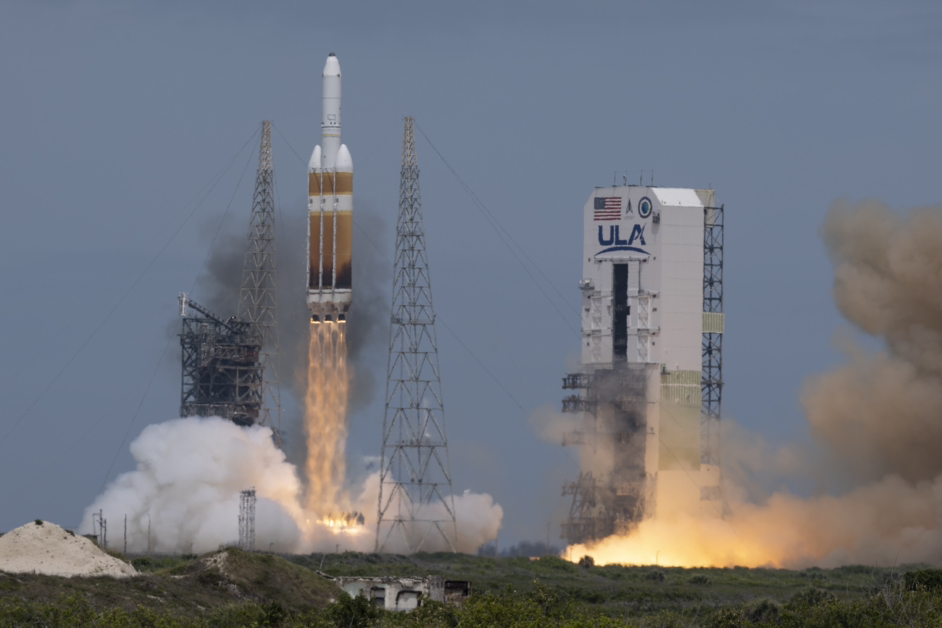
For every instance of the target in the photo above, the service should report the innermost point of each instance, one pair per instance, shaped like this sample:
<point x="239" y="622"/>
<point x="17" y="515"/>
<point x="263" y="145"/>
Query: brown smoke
<point x="882" y="412"/>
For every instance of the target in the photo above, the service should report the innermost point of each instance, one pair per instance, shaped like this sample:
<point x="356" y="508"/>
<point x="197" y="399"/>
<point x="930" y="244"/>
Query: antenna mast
<point x="415" y="493"/>
<point x="258" y="297"/>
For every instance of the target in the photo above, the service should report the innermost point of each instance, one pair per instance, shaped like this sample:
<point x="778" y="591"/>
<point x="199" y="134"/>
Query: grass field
<point x="617" y="590"/>
<point x="244" y="589"/>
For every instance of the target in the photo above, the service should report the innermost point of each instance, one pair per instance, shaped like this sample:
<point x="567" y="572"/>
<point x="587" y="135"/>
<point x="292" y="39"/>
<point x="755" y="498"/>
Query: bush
<point x="725" y="618"/>
<point x="587" y="561"/>
<point x="763" y="611"/>
<point x="700" y="580"/>
<point x="924" y="579"/>
<point x="353" y="612"/>
<point x="811" y="596"/>
<point x="656" y="575"/>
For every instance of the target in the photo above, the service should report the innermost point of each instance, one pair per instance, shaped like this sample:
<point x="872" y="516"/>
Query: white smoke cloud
<point x="187" y="482"/>
<point x="552" y="425"/>
<point x="478" y="518"/>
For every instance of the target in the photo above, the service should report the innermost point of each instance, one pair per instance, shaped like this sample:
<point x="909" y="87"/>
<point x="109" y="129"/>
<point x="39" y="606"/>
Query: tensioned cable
<point x="76" y="443"/>
<point x="209" y="253"/>
<point x="363" y="163"/>
<point x="438" y="315"/>
<point x="501" y="232"/>
<point x="204" y="192"/>
<point x="116" y="305"/>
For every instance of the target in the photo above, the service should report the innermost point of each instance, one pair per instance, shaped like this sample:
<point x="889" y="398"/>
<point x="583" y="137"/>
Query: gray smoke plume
<point x="220" y="283"/>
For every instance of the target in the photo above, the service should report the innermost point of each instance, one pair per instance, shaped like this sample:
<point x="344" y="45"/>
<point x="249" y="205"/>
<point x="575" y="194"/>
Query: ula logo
<point x="637" y="233"/>
<point x="614" y="242"/>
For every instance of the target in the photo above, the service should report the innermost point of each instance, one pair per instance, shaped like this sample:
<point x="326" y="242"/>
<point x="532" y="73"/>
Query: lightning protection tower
<point x="247" y="520"/>
<point x="416" y="506"/>
<point x="258" y="298"/>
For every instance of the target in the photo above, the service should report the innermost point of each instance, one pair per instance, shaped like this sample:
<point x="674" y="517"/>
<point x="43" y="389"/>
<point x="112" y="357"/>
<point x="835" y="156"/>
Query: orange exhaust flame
<point x="325" y="416"/>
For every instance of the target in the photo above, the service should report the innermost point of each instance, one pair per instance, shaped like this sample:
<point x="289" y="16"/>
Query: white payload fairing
<point x="330" y="207"/>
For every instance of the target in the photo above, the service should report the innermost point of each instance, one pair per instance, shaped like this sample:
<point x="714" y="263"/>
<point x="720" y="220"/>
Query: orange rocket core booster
<point x="330" y="207"/>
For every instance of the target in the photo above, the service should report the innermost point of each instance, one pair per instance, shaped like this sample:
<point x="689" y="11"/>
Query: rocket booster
<point x="330" y="209"/>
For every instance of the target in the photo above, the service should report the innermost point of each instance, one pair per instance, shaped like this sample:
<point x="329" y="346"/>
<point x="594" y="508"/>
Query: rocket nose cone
<point x="332" y="67"/>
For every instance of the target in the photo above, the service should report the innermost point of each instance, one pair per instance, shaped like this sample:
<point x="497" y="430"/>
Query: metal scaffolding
<point x="258" y="297"/>
<point x="712" y="373"/>
<point x="415" y="497"/>
<point x="221" y="371"/>
<point x="613" y="405"/>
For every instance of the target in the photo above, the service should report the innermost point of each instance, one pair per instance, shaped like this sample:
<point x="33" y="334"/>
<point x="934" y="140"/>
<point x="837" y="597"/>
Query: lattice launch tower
<point x="416" y="506"/>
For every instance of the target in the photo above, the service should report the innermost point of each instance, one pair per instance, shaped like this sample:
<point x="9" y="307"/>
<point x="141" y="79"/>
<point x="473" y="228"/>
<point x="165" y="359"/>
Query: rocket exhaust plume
<point x="325" y="417"/>
<point x="877" y="420"/>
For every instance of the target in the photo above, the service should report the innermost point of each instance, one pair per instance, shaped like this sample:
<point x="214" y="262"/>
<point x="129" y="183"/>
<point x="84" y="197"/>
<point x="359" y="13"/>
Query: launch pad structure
<point x="649" y="393"/>
<point x="229" y="365"/>
<point x="222" y="375"/>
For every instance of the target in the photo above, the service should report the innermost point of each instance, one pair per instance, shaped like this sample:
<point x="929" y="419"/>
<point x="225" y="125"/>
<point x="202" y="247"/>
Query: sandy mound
<point x="48" y="549"/>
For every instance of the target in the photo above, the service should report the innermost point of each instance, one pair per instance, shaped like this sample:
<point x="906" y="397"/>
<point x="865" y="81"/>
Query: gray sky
<point x="118" y="113"/>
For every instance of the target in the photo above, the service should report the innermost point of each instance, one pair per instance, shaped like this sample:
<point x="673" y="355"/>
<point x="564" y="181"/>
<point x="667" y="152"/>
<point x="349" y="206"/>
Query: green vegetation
<point x="265" y="590"/>
<point x="615" y="590"/>
<point x="179" y="587"/>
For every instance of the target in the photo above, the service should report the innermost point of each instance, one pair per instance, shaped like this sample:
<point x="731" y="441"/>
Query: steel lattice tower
<point x="258" y="297"/>
<point x="415" y="493"/>
<point x="712" y="373"/>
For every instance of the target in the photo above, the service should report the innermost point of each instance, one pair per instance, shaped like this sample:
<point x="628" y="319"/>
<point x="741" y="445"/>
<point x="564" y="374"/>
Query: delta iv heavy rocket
<point x="330" y="207"/>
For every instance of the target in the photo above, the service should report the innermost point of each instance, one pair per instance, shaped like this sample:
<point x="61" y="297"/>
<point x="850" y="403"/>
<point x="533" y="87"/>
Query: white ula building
<point x="650" y="386"/>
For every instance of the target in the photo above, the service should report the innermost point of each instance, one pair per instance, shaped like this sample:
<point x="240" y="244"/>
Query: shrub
<point x="725" y="618"/>
<point x="763" y="611"/>
<point x="353" y="612"/>
<point x="811" y="596"/>
<point x="700" y="580"/>
<point x="924" y="579"/>
<point x="656" y="575"/>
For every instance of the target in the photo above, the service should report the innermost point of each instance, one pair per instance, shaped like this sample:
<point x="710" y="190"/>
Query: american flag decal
<point x="607" y="208"/>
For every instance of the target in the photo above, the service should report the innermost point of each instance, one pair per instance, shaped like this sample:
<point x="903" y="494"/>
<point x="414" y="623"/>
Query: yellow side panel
<point x="319" y="221"/>
<point x="679" y="437"/>
<point x="315" y="245"/>
<point x="328" y="249"/>
<point x="344" y="250"/>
